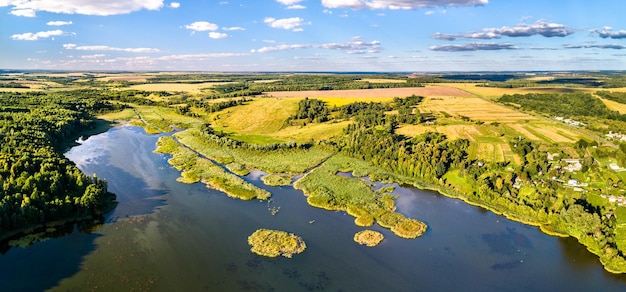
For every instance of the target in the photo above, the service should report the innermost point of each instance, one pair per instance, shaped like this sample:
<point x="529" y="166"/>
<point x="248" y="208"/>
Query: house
<point x="572" y="165"/>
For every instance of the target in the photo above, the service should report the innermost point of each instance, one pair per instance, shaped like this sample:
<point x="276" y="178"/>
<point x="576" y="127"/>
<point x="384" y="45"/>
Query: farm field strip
<point x="379" y="92"/>
<point x="474" y="108"/>
<point x="613" y="105"/>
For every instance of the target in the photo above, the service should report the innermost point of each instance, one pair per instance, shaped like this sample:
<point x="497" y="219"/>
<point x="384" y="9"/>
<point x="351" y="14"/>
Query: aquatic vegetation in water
<point x="368" y="237"/>
<point x="273" y="243"/>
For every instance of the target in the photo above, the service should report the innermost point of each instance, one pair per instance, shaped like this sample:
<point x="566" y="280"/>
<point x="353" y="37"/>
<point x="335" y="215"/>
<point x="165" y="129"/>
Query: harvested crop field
<point x="496" y="92"/>
<point x="548" y="133"/>
<point x="384" y="92"/>
<point x="469" y="132"/>
<point x="474" y="108"/>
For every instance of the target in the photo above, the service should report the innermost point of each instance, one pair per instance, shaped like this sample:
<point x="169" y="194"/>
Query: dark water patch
<point x="507" y="242"/>
<point x="42" y="265"/>
<point x="508" y="265"/>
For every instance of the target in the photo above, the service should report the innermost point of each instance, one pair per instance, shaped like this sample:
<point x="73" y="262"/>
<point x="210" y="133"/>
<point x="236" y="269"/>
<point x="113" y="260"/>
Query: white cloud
<point x="96" y="56"/>
<point x="596" y="46"/>
<point x="608" y="32"/>
<point x="107" y="48"/>
<point x="474" y="47"/>
<point x="86" y="7"/>
<point x="202" y="26"/>
<point x="288" y="2"/>
<point x="59" y="23"/>
<point x="199" y="57"/>
<point x="540" y="27"/>
<point x="354" y="46"/>
<point x="29" y="36"/>
<point x="24" y="12"/>
<point x="217" y="35"/>
<point x="296" y="7"/>
<point x="292" y="23"/>
<point x="233" y="28"/>
<point x="399" y="4"/>
<point x="174" y="5"/>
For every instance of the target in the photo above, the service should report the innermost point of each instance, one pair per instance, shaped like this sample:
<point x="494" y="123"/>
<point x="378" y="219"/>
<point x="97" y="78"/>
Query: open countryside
<point x="295" y="145"/>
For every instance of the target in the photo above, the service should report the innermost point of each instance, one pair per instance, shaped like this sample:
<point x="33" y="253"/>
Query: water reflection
<point x="123" y="156"/>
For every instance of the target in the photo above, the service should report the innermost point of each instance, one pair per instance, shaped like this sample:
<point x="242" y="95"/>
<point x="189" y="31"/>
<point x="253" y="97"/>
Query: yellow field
<point x="546" y="132"/>
<point x="379" y="92"/>
<point x="268" y="116"/>
<point x="125" y="77"/>
<point x="613" y="105"/>
<point x="341" y="101"/>
<point x="475" y="108"/>
<point x="469" y="132"/>
<point x="494" y="92"/>
<point x="260" y="116"/>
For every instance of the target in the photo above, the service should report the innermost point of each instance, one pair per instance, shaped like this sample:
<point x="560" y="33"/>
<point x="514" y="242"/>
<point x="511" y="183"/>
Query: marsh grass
<point x="196" y="169"/>
<point x="277" y="179"/>
<point x="274" y="243"/>
<point x="289" y="161"/>
<point x="327" y="190"/>
<point x="369" y="238"/>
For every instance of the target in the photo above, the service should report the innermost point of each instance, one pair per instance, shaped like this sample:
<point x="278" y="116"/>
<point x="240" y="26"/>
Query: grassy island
<point x="369" y="238"/>
<point x="274" y="243"/>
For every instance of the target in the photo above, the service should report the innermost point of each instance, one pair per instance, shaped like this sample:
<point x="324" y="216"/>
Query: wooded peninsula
<point x="546" y="149"/>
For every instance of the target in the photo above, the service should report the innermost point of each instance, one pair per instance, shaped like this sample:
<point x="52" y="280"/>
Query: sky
<point x="313" y="35"/>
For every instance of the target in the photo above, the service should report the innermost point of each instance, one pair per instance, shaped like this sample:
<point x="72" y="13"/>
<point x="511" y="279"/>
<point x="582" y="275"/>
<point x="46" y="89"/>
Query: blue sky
<point x="313" y="35"/>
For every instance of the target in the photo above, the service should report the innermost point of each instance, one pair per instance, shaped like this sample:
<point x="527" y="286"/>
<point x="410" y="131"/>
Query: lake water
<point x="168" y="236"/>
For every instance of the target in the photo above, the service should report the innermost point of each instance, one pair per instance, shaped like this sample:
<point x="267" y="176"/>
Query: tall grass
<point x="196" y="169"/>
<point x="327" y="190"/>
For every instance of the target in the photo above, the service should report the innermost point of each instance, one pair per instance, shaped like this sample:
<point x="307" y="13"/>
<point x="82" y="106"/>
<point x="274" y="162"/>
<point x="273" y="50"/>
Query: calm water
<point x="168" y="236"/>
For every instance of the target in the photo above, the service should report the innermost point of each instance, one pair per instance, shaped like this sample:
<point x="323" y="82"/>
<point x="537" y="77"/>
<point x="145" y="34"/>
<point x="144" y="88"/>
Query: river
<point x="169" y="236"/>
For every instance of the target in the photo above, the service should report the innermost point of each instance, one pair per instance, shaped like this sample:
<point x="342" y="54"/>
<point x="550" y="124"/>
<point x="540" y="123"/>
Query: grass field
<point x="264" y="120"/>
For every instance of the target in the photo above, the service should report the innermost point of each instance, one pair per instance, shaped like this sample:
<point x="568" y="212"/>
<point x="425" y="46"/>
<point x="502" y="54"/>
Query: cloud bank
<point x="107" y="48"/>
<point x="399" y="4"/>
<point x="29" y="36"/>
<point x="86" y="7"/>
<point x="355" y="46"/>
<point x="540" y="27"/>
<point x="474" y="47"/>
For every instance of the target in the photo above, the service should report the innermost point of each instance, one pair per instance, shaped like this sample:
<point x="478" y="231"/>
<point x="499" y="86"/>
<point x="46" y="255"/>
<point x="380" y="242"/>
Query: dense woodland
<point x="38" y="184"/>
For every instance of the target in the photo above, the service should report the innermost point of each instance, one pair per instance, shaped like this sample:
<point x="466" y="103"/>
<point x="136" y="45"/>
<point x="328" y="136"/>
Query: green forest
<point x="38" y="184"/>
